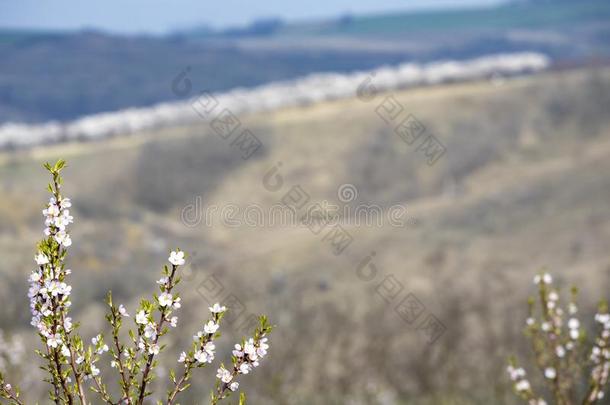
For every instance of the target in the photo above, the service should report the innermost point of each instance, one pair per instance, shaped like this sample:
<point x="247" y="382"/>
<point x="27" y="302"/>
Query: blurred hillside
<point x="524" y="183"/>
<point x="63" y="75"/>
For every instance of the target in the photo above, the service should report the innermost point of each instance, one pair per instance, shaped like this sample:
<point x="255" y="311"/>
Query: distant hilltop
<point x="302" y="91"/>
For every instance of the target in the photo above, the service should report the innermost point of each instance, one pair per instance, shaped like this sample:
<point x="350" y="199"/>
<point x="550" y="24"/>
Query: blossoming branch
<point x="72" y="366"/>
<point x="575" y="370"/>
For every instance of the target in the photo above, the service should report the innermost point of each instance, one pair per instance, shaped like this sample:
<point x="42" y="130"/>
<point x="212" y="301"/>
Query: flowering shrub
<point x="72" y="365"/>
<point x="575" y="369"/>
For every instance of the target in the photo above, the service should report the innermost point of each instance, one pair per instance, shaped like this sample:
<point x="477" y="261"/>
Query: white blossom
<point x="68" y="324"/>
<point x="206" y="355"/>
<point x="245" y="368"/>
<point x="41" y="259"/>
<point x="153" y="349"/>
<point x="250" y="350"/>
<point x="94" y="370"/>
<point x="51" y="211"/>
<point x="224" y="375"/>
<point x="572" y="308"/>
<point x="216" y="308"/>
<point x="602" y="318"/>
<point x="54" y="340"/>
<point x="141" y="344"/>
<point x="142" y="317"/>
<point x="515" y="373"/>
<point x="63" y="238"/>
<point x="203" y="357"/>
<point x="209" y="347"/>
<point x="166" y="299"/>
<point x="65" y="351"/>
<point x="150" y="330"/>
<point x="176" y="258"/>
<point x="210" y="327"/>
<point x="238" y="352"/>
<point x="261" y="350"/>
<point x="522" y="385"/>
<point x="61" y="222"/>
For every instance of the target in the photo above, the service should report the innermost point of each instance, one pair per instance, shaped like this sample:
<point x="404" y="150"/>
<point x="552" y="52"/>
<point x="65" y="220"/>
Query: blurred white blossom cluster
<point x="11" y="351"/>
<point x="73" y="368"/>
<point x="574" y="368"/>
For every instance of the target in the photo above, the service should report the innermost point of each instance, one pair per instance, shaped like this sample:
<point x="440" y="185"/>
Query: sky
<point x="162" y="16"/>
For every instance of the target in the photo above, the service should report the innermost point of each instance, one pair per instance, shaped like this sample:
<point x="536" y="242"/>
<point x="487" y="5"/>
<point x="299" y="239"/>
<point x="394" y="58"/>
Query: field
<point x="524" y="184"/>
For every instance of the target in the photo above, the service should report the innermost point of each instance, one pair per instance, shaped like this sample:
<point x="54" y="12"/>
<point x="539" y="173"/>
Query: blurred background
<point x="383" y="179"/>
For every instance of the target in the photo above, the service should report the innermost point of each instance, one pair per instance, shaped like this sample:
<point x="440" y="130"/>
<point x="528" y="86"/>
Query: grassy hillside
<point x="524" y="15"/>
<point x="524" y="183"/>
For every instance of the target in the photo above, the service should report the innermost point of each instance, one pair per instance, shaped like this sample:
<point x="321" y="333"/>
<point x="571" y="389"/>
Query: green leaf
<point x="60" y="164"/>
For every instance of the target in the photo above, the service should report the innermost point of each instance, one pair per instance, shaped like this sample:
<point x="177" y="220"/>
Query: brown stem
<point x="185" y="376"/>
<point x="222" y="388"/>
<point x="149" y="361"/>
<point x="189" y="365"/>
<point x="102" y="391"/>
<point x="62" y="380"/>
<point x="557" y="392"/>
<point x="55" y="354"/>
<point x="596" y="383"/>
<point x="126" y="382"/>
<point x="77" y="376"/>
<point x="13" y="397"/>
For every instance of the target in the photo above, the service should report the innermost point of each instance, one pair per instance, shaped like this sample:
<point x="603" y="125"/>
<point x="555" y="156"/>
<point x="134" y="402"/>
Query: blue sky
<point x="159" y="16"/>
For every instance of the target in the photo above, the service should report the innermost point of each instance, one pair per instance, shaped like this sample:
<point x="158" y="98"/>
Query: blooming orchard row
<point x="72" y="366"/>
